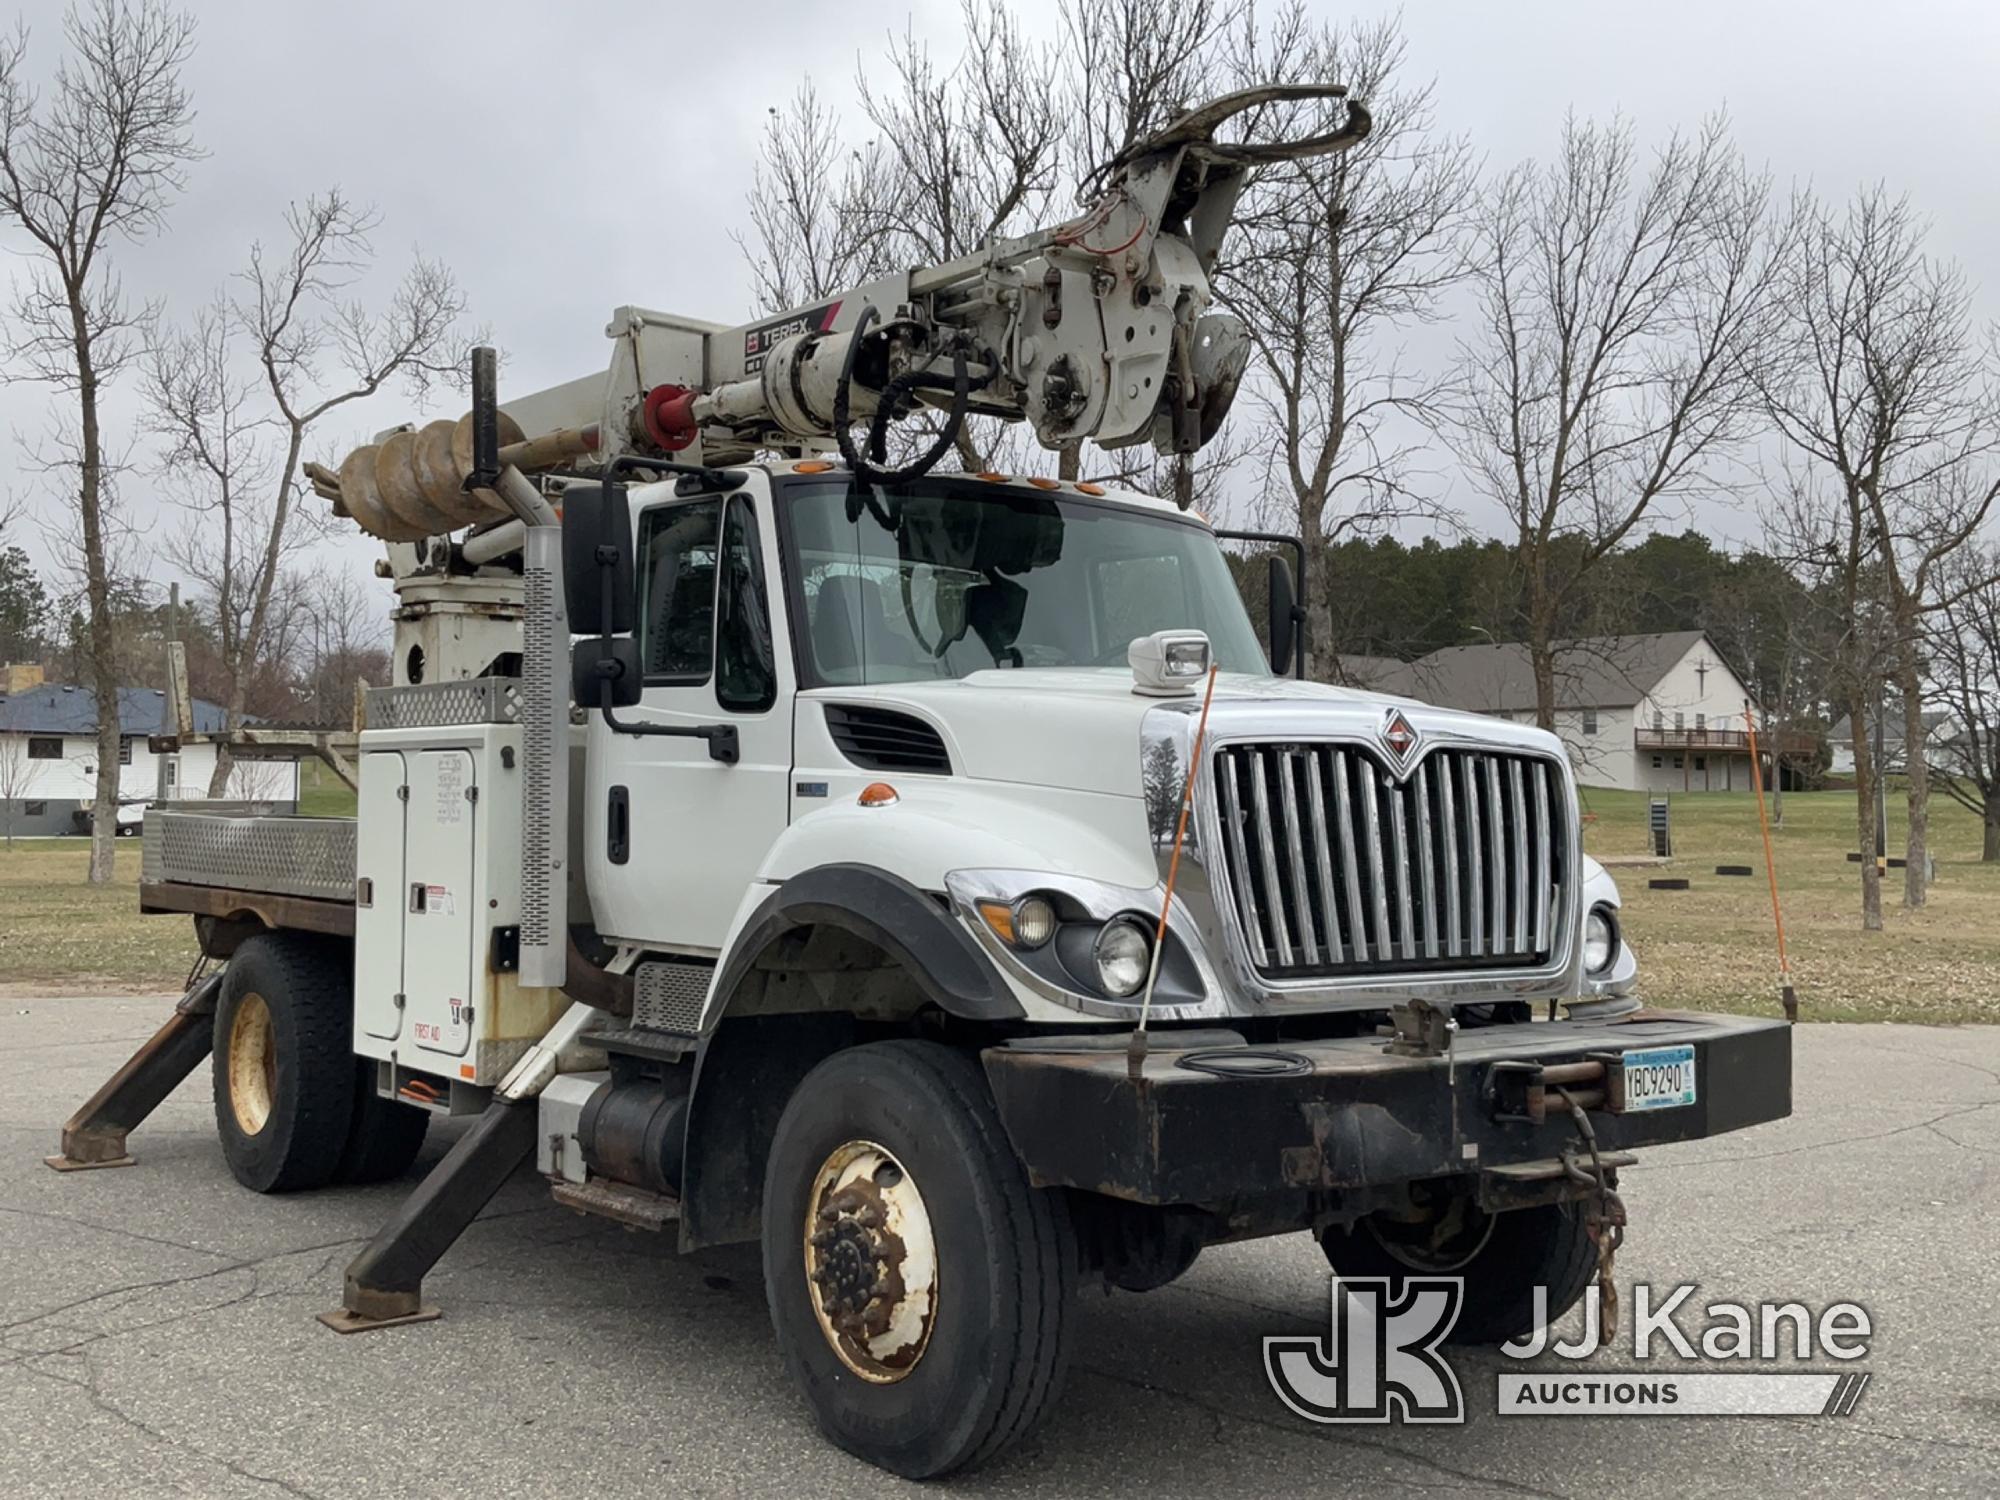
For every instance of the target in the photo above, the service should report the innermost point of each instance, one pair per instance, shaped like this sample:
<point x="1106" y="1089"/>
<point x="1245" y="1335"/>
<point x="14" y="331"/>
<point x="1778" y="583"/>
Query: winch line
<point x="1787" y="993"/>
<point x="1135" y="1050"/>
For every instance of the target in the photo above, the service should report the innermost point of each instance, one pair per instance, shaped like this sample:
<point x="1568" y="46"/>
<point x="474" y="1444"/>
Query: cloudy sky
<point x="566" y="159"/>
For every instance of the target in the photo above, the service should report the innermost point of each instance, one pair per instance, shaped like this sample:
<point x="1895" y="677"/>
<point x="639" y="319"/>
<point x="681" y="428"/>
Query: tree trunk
<point x="1316" y="594"/>
<point x="1909" y="682"/>
<point x="97" y="590"/>
<point x="252" y="640"/>
<point x="1989" y="851"/>
<point x="1543" y="657"/>
<point x="1864" y="810"/>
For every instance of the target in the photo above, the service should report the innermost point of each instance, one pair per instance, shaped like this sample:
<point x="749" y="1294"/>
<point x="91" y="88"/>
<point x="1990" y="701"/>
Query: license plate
<point x="1659" y="1078"/>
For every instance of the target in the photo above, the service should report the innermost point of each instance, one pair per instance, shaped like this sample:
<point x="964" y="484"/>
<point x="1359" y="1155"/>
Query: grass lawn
<point x="58" y="932"/>
<point x="1711" y="946"/>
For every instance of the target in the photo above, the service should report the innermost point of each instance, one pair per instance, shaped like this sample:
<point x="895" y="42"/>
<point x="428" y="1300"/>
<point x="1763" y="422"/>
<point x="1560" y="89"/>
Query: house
<point x="1941" y="735"/>
<point x="1660" y="712"/>
<point x="48" y="756"/>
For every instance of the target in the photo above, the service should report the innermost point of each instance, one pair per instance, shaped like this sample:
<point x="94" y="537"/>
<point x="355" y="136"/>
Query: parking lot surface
<point x="157" y="1334"/>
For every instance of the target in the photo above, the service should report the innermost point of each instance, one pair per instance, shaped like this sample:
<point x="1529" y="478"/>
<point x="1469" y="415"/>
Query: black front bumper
<point x="1362" y="1117"/>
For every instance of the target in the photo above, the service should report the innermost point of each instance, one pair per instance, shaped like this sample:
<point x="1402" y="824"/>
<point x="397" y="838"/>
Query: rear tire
<point x="283" y="1064"/>
<point x="384" y="1136"/>
<point x="1503" y="1258"/>
<point x="975" y="1345"/>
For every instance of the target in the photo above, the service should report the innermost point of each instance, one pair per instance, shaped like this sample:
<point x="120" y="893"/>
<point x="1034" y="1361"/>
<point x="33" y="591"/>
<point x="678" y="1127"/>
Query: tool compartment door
<point x="438" y="916"/>
<point x="379" y="899"/>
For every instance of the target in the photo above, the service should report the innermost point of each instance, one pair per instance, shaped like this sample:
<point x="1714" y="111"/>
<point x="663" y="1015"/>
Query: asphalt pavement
<point x="157" y="1334"/>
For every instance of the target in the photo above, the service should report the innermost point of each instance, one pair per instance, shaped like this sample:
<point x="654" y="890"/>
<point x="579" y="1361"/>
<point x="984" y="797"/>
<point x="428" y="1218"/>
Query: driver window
<point x="677" y="566"/>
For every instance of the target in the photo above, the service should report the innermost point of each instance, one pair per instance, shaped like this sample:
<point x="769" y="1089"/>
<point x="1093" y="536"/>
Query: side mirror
<point x="1284" y="615"/>
<point x="597" y="561"/>
<point x="601" y="659"/>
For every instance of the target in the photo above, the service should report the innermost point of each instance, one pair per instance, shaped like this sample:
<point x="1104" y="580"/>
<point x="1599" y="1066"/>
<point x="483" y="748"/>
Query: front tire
<point x="1503" y="1258"/>
<point x="283" y="1064"/>
<point x="922" y="1362"/>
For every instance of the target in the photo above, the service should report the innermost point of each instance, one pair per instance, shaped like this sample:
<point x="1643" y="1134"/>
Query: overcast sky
<point x="566" y="159"/>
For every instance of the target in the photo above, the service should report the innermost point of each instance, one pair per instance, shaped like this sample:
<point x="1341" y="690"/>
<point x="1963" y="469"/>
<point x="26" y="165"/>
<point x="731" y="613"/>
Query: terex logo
<point x="1379" y="1360"/>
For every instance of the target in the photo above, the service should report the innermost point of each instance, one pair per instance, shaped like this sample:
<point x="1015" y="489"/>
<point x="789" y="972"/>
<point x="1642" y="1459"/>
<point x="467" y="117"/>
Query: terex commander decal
<point x="761" y="340"/>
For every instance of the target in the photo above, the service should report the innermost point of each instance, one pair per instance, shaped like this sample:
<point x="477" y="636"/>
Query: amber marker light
<point x="1042" y="482"/>
<point x="998" y="916"/>
<point x="878" y="794"/>
<point x="812" y="466"/>
<point x="1089" y="489"/>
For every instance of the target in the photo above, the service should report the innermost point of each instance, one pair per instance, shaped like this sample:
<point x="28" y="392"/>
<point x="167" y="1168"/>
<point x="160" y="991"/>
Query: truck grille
<point x="1335" y="868"/>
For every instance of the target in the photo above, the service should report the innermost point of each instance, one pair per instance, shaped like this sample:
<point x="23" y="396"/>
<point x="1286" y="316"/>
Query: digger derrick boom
<point x="1099" y="328"/>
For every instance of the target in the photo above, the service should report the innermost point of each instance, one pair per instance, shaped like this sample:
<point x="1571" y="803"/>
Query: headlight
<point x="1122" y="954"/>
<point x="1600" y="941"/>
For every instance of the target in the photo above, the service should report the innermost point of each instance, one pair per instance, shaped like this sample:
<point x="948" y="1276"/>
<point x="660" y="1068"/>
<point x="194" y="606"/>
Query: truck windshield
<point x="939" y="578"/>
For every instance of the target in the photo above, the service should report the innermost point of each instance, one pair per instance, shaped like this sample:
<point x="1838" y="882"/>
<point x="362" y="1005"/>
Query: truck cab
<point x="932" y="681"/>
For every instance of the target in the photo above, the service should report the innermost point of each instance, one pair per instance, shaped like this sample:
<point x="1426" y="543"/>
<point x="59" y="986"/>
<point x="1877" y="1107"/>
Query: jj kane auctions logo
<point x="1382" y="1360"/>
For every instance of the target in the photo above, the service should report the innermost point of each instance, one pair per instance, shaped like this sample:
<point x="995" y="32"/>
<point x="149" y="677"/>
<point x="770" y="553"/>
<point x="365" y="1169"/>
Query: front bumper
<point x="1362" y="1117"/>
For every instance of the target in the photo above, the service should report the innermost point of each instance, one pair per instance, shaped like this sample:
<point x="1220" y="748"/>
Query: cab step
<point x="633" y="1207"/>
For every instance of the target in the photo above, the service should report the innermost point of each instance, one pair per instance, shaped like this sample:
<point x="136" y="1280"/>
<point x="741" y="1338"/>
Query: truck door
<point x="677" y="835"/>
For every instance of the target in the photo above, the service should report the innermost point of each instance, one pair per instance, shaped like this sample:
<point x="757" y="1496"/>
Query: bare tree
<point x="1964" y="652"/>
<point x="807" y="238"/>
<point x="1882" y="389"/>
<point x="1329" y="260"/>
<point x="1828" y="538"/>
<point x="1611" y="367"/>
<point x="236" y="443"/>
<point x="18" y="775"/>
<point x="92" y="163"/>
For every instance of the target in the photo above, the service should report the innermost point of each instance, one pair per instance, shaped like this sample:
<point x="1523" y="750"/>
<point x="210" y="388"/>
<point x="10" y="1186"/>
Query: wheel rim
<point x="1438" y="1245"/>
<point x="871" y="1262"/>
<point x="253" y="1064"/>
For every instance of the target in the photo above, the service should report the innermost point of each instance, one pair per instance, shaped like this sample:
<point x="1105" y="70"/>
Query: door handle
<point x="618" y="826"/>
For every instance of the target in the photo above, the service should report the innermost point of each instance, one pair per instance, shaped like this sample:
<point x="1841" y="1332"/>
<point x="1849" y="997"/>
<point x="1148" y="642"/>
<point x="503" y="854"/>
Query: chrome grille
<point x="1334" y="867"/>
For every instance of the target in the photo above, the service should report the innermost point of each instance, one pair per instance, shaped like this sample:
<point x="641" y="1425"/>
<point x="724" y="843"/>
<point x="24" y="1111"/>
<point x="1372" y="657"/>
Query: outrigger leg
<point x="385" y="1282"/>
<point x="94" y="1136"/>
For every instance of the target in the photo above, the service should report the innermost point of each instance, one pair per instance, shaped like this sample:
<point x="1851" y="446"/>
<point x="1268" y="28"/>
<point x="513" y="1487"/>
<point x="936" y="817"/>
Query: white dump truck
<point x="933" y="876"/>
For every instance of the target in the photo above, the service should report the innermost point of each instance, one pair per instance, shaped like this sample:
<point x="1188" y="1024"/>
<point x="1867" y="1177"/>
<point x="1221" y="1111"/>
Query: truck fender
<point x="885" y="910"/>
<point x="748" y="1065"/>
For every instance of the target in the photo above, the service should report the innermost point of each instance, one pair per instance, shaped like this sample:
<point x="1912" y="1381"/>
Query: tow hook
<point x="1604" y="1218"/>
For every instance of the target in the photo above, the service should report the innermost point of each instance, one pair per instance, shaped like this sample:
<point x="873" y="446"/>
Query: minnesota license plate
<point x="1659" y="1078"/>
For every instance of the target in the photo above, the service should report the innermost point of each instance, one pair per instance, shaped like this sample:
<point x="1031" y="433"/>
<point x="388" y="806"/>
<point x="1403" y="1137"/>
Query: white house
<point x="1644" y="712"/>
<point x="48" y="757"/>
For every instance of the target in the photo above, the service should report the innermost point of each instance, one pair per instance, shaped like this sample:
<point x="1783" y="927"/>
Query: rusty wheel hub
<point x="871" y="1262"/>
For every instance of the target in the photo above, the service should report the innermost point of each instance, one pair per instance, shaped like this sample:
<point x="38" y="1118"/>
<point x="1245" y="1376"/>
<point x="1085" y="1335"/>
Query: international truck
<point x="935" y="877"/>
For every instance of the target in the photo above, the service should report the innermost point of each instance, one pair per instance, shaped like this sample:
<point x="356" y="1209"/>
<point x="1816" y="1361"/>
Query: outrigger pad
<point x="340" y="1320"/>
